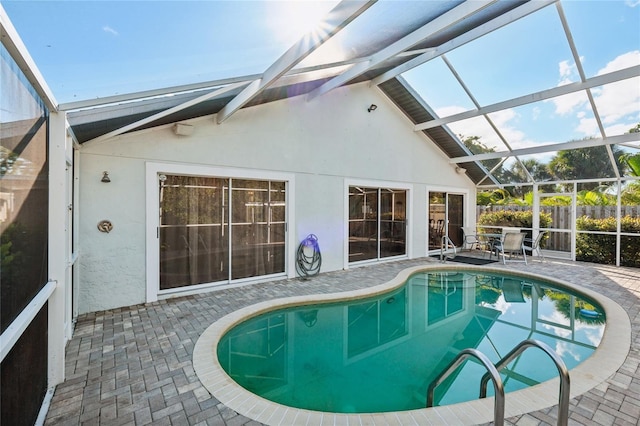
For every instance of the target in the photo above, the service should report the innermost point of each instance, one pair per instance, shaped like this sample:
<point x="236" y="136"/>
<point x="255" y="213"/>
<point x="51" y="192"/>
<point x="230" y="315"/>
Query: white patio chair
<point x="512" y="245"/>
<point x="469" y="238"/>
<point x="496" y="244"/>
<point x="534" y="245"/>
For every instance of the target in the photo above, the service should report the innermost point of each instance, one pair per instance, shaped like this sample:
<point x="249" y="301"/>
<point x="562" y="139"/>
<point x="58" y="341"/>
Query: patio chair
<point x="534" y="245"/>
<point x="469" y="238"/>
<point x="495" y="243"/>
<point x="512" y="291"/>
<point x="512" y="245"/>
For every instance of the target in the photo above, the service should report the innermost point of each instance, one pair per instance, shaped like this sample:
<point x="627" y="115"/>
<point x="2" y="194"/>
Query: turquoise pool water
<point x="380" y="354"/>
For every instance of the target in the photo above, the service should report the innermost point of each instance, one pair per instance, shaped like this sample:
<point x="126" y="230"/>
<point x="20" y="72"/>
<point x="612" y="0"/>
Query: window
<point x="376" y="322"/>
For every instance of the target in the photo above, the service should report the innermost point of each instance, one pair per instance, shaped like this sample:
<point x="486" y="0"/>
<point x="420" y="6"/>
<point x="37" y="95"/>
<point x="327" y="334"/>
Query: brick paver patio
<point x="133" y="365"/>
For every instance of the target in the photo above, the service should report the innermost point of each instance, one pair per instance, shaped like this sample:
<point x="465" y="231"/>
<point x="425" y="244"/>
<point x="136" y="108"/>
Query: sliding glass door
<point x="446" y="218"/>
<point x="216" y="229"/>
<point x="257" y="228"/>
<point x="377" y="223"/>
<point x="455" y="218"/>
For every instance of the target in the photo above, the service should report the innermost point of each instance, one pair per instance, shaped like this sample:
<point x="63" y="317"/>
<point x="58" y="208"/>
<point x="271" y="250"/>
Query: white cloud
<point x="623" y="61"/>
<point x="567" y="104"/>
<point x="588" y="127"/>
<point x="618" y="100"/>
<point x="108" y="29"/>
<point x="568" y="73"/>
<point x="449" y="110"/>
<point x="632" y="3"/>
<point x="618" y="103"/>
<point x="622" y="128"/>
<point x="536" y="113"/>
<point x="505" y="120"/>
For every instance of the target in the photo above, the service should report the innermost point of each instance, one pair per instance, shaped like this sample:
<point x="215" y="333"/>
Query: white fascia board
<point x="20" y="54"/>
<point x="442" y="22"/>
<point x="465" y="38"/>
<point x="167" y="112"/>
<point x="154" y="94"/>
<point x="620" y="139"/>
<point x="599" y="80"/>
<point x="337" y="19"/>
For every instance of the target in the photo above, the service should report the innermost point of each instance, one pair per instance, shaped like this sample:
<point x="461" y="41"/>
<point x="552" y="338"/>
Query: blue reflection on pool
<point x="380" y="354"/>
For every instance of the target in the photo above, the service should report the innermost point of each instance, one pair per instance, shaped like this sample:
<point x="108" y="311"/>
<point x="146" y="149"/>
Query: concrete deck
<point x="133" y="366"/>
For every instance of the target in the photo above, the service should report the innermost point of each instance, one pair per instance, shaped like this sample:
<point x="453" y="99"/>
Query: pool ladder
<point x="493" y="374"/>
<point x="445" y="245"/>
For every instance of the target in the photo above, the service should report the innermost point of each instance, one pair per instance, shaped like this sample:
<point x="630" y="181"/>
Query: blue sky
<point x="531" y="55"/>
<point x="91" y="49"/>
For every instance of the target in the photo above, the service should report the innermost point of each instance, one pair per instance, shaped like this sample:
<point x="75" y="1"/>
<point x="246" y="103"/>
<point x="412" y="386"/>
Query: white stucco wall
<point x="323" y="143"/>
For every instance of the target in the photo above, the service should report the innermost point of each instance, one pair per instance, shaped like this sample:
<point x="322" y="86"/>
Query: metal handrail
<point x="563" y="403"/>
<point x="498" y="405"/>
<point x="444" y="245"/>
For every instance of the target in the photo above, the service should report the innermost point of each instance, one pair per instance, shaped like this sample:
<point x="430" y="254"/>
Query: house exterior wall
<point x="324" y="144"/>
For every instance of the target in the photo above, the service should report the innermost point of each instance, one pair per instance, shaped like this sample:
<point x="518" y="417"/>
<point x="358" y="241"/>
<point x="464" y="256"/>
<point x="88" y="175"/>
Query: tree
<point x="631" y="191"/>
<point x="580" y="163"/>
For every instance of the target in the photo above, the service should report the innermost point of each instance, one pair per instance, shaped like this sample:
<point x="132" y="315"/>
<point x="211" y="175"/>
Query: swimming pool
<point x="477" y="308"/>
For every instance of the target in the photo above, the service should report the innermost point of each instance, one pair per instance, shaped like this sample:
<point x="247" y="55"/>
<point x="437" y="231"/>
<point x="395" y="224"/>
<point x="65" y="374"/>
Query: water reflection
<point x="380" y="354"/>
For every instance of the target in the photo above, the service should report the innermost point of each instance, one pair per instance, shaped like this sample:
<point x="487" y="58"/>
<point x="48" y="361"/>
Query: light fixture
<point x="372" y="107"/>
<point x="182" y="129"/>
<point x="460" y="170"/>
<point x="105" y="177"/>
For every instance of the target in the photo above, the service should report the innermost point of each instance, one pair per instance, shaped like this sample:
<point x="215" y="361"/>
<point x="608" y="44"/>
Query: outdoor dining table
<point x="489" y="239"/>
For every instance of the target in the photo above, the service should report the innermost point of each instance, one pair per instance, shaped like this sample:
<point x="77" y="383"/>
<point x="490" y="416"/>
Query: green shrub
<point x="601" y="248"/>
<point x="511" y="218"/>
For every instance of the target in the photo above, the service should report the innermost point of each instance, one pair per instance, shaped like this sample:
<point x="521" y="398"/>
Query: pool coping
<point x="604" y="362"/>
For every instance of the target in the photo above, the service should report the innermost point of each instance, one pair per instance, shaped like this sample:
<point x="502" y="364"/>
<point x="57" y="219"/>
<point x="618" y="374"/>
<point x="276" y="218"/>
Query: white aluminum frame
<point x="409" y="221"/>
<point x="153" y="169"/>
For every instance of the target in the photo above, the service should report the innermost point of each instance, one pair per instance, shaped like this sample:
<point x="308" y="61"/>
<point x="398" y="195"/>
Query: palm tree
<point x="585" y="162"/>
<point x="631" y="191"/>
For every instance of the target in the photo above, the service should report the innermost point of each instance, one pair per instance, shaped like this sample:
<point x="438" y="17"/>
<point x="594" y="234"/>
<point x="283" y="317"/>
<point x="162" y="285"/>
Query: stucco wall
<point x="322" y="143"/>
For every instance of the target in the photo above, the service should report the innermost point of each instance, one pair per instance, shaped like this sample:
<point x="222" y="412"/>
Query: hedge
<point x="515" y="219"/>
<point x="599" y="248"/>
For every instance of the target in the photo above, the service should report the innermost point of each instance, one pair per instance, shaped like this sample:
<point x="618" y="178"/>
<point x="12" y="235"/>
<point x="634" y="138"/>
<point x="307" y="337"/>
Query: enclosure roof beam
<point x="599" y="80"/>
<point x="442" y="22"/>
<point x="18" y="51"/>
<point x="463" y="39"/>
<point x="161" y="114"/>
<point x="587" y="143"/>
<point x="339" y="17"/>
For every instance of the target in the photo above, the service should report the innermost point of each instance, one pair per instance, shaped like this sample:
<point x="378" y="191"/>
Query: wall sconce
<point x="460" y="170"/>
<point x="105" y="177"/>
<point x="372" y="107"/>
<point x="182" y="129"/>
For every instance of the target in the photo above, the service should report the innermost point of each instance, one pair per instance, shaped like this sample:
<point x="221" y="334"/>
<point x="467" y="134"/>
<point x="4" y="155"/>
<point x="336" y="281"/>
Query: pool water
<point x="380" y="354"/>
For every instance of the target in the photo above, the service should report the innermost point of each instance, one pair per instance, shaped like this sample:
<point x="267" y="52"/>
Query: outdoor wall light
<point x="105" y="177"/>
<point x="372" y="107"/>
<point x="182" y="129"/>
<point x="460" y="170"/>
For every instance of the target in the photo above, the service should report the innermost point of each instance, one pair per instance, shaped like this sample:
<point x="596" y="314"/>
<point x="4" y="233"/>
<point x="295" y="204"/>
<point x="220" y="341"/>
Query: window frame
<point x="378" y="184"/>
<point x="153" y="169"/>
